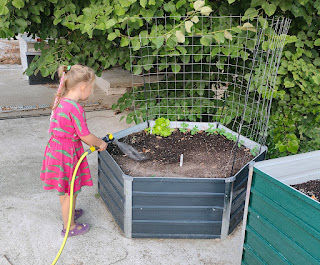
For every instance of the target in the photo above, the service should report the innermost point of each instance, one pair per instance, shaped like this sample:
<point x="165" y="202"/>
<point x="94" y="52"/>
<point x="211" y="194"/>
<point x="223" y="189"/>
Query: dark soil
<point x="310" y="188"/>
<point x="203" y="156"/>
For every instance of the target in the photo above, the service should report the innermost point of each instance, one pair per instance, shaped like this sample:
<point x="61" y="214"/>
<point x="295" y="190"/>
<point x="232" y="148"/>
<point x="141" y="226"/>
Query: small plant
<point x="240" y="143"/>
<point x="211" y="130"/>
<point x="194" y="130"/>
<point x="184" y="127"/>
<point x="161" y="127"/>
<point x="147" y="130"/>
<point x="255" y="150"/>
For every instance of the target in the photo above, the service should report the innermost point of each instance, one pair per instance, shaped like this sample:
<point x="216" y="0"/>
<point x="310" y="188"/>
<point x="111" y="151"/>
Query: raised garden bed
<point x="282" y="225"/>
<point x="173" y="207"/>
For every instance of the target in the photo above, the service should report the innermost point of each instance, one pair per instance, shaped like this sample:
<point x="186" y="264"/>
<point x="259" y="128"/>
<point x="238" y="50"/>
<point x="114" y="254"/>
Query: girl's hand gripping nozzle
<point x="108" y="139"/>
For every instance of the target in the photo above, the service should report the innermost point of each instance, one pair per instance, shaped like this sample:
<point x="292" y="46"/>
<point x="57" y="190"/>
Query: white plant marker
<point x="181" y="160"/>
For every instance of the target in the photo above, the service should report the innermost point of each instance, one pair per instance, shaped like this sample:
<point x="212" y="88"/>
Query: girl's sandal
<point x="78" y="213"/>
<point x="77" y="230"/>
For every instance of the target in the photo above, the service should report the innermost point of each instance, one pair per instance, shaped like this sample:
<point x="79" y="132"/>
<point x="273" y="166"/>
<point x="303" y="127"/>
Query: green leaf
<point x="119" y="10"/>
<point x="250" y="13"/>
<point x="135" y="44"/>
<point x="231" y="1"/>
<point x="22" y="23"/>
<point x="169" y="7"/>
<point x="176" y="68"/>
<point x="285" y="5"/>
<point x="143" y="3"/>
<point x="219" y="37"/>
<point x="293" y="146"/>
<point x="137" y="69"/>
<point x="158" y="41"/>
<point x="36" y="19"/>
<point x="3" y="10"/>
<point x="124" y="42"/>
<point x="269" y="8"/>
<point x="112" y="36"/>
<point x="180" y="3"/>
<point x="317" y="42"/>
<point x="18" y="3"/>
<point x="110" y="23"/>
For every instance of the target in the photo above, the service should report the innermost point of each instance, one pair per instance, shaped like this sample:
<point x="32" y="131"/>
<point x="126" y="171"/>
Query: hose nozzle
<point x="108" y="138"/>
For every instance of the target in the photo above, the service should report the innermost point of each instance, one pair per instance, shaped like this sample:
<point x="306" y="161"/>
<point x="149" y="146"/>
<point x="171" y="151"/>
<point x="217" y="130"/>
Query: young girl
<point x="68" y="128"/>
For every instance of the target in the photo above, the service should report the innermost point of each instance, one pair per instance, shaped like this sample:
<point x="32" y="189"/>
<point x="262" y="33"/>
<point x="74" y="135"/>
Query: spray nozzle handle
<point x="108" y="138"/>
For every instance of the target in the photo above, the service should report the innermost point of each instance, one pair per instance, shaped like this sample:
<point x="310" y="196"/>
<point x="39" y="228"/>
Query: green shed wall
<point x="283" y="225"/>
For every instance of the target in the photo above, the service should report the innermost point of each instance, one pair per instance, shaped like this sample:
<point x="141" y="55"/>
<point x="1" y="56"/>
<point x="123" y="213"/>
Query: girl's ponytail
<point x="62" y="70"/>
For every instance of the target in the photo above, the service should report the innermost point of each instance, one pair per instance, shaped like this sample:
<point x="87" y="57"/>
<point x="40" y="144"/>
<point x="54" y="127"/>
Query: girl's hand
<point x="102" y="146"/>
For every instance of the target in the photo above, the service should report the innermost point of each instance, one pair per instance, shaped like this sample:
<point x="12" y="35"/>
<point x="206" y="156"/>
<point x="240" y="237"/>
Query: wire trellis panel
<point x="219" y="69"/>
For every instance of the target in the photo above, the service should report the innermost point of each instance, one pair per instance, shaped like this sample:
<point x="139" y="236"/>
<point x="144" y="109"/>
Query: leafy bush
<point x="95" y="33"/>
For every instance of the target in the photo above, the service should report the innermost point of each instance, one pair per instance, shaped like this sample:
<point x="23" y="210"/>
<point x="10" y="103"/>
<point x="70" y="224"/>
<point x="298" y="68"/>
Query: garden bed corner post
<point x="128" y="206"/>
<point x="227" y="208"/>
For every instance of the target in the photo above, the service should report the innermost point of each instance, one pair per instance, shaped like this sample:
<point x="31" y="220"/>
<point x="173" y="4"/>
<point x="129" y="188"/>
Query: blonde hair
<point x="75" y="75"/>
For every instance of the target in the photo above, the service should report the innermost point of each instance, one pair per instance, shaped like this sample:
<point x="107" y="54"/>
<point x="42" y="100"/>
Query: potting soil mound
<point x="310" y="188"/>
<point x="204" y="156"/>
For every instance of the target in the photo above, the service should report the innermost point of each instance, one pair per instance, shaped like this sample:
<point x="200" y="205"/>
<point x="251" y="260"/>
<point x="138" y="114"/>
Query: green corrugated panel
<point x="303" y="235"/>
<point x="300" y="205"/>
<point x="262" y="250"/>
<point x="250" y="257"/>
<point x="283" y="225"/>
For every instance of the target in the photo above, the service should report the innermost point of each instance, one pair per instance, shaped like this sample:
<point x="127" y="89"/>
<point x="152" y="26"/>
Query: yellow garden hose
<point x="87" y="152"/>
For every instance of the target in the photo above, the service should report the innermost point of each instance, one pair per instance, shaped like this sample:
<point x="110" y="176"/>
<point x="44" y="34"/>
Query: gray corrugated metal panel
<point x="188" y="213"/>
<point x="236" y="217"/>
<point x="238" y="201"/>
<point x="182" y="228"/>
<point x="112" y="191"/>
<point x="179" y="185"/>
<point x="115" y="210"/>
<point x="133" y="129"/>
<point x="293" y="169"/>
<point x="112" y="178"/>
<point x="112" y="165"/>
<point x="178" y="199"/>
<point x="242" y="175"/>
<point x="176" y="236"/>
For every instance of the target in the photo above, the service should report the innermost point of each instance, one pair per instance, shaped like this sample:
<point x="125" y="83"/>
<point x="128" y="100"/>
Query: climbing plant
<point x="95" y="33"/>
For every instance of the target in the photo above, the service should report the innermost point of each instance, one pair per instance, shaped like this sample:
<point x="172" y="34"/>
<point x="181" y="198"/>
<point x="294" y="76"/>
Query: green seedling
<point x="255" y="150"/>
<point x="184" y="127"/>
<point x="194" y="130"/>
<point x="147" y="130"/>
<point x="211" y="130"/>
<point x="240" y="143"/>
<point x="161" y="127"/>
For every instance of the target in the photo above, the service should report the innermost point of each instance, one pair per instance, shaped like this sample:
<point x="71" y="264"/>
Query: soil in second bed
<point x="204" y="156"/>
<point x="310" y="188"/>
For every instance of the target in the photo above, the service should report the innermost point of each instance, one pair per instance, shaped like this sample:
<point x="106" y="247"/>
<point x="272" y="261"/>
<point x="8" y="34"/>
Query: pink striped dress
<point x="64" y="149"/>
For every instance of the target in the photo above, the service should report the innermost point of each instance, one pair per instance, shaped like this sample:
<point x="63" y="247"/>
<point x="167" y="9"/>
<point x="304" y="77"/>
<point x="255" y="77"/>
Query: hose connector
<point x="108" y="138"/>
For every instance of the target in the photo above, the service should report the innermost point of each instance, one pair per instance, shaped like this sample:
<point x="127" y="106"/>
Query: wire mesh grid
<point x="207" y="69"/>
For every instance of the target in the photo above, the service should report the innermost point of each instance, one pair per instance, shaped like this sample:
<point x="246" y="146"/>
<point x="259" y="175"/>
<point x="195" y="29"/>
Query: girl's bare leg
<point x="65" y="203"/>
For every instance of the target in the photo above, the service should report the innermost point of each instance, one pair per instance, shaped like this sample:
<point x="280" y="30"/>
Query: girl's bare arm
<point x="93" y="140"/>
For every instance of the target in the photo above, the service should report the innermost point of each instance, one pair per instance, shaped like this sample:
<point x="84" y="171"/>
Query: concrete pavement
<point x="30" y="220"/>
